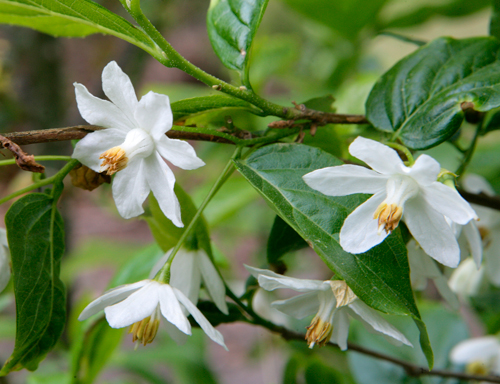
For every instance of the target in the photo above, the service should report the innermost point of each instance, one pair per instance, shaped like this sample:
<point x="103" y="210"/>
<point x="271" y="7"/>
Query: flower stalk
<point x="163" y="274"/>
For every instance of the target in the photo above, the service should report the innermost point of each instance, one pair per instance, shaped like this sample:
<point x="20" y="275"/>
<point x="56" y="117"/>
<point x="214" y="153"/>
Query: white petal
<point x="478" y="349"/>
<point x="373" y="320"/>
<point x="255" y="272"/>
<point x="301" y="285"/>
<point x="212" y="281"/>
<point x="154" y="114"/>
<point x="359" y="232"/>
<point x="130" y="189"/>
<point x="425" y="170"/>
<point x="476" y="184"/>
<point x="180" y="153"/>
<point x="91" y="147"/>
<point x="100" y="112"/>
<point x="380" y="157"/>
<point x="430" y="230"/>
<point x="448" y="202"/>
<point x="172" y="310"/>
<point x="110" y="297"/>
<point x="466" y="280"/>
<point x="492" y="259"/>
<point x="185" y="274"/>
<point x="179" y="337"/>
<point x="340" y="332"/>
<point x="119" y="89"/>
<point x="4" y="260"/>
<point x="161" y="180"/>
<point x="345" y="180"/>
<point x="446" y="293"/>
<point x="134" y="308"/>
<point x="299" y="306"/>
<point x="471" y="233"/>
<point x="211" y="332"/>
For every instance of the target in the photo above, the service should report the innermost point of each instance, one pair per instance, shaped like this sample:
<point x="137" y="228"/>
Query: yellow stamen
<point x="476" y="368"/>
<point x="114" y="160"/>
<point x="319" y="332"/>
<point x="388" y="217"/>
<point x="145" y="330"/>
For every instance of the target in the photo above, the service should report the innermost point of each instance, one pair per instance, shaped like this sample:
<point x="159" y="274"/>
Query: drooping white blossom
<point x="422" y="268"/>
<point x="399" y="192"/>
<point x="189" y="269"/>
<point x="141" y="305"/>
<point x="4" y="260"/>
<point x="133" y="145"/>
<point x="333" y="304"/>
<point x="481" y="355"/>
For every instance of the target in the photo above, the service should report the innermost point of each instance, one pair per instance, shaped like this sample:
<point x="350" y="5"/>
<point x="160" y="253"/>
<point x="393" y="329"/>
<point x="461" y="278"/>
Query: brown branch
<point x="411" y="369"/>
<point x="80" y="131"/>
<point x="319" y="118"/>
<point x="483" y="199"/>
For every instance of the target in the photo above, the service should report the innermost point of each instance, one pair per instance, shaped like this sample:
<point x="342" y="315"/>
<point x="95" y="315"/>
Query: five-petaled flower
<point x="188" y="270"/>
<point x="139" y="305"/>
<point x="133" y="144"/>
<point x="481" y="355"/>
<point x="333" y="302"/>
<point x="399" y="192"/>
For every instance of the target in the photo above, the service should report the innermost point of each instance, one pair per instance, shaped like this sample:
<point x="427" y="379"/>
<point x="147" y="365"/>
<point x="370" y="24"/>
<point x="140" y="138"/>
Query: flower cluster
<point x="133" y="147"/>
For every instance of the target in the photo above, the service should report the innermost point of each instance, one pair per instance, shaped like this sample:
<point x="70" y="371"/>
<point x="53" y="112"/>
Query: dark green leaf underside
<point x="420" y="97"/>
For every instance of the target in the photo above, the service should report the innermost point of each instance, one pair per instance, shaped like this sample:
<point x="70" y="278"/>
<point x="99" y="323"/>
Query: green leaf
<point x="495" y="19"/>
<point x="187" y="107"/>
<point x="379" y="277"/>
<point x="232" y="25"/>
<point x="35" y="232"/>
<point x="420" y="97"/>
<point x="347" y="17"/>
<point x="317" y="372"/>
<point x="167" y="234"/>
<point x="72" y="18"/>
<point x="282" y="239"/>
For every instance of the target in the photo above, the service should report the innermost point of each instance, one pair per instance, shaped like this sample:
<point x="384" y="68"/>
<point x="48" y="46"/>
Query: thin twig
<point x="411" y="369"/>
<point x="80" y="131"/>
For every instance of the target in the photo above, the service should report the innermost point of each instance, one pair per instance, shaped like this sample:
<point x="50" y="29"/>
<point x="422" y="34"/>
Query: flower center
<point x="399" y="189"/>
<point x="144" y="331"/>
<point x="476" y="368"/>
<point x="321" y="328"/>
<point x="138" y="143"/>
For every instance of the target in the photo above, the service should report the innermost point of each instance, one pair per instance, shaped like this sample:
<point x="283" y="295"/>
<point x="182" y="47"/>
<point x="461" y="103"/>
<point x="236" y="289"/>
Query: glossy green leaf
<point x="71" y="18"/>
<point x="419" y="99"/>
<point x="380" y="277"/>
<point x="232" y="25"/>
<point x="187" y="107"/>
<point x="167" y="234"/>
<point x="35" y="233"/>
<point x="282" y="239"/>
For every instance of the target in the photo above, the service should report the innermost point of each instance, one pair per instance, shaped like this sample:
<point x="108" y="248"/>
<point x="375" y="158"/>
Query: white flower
<point x="411" y="193"/>
<point x="133" y="144"/>
<point x="481" y="355"/>
<point x="4" y="260"/>
<point x="334" y="304"/>
<point x="422" y="267"/>
<point x="140" y="304"/>
<point x="485" y="233"/>
<point x="188" y="270"/>
<point x="467" y="279"/>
